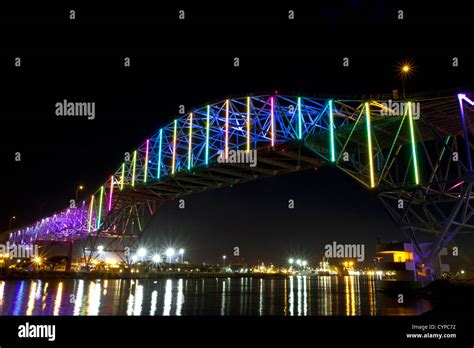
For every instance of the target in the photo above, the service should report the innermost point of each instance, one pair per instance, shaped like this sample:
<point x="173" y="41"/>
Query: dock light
<point x="156" y="258"/>
<point x="100" y="248"/>
<point x="141" y="252"/>
<point x="290" y="261"/>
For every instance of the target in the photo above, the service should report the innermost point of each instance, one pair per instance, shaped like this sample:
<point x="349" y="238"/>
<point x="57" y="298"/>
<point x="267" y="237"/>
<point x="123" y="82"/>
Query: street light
<point x="224" y="257"/>
<point x="79" y="188"/>
<point x="298" y="262"/>
<point x="290" y="261"/>
<point x="304" y="263"/>
<point x="100" y="248"/>
<point x="169" y="254"/>
<point x="156" y="258"/>
<point x="405" y="70"/>
<point x="11" y="220"/>
<point x="141" y="252"/>
<point x="181" y="252"/>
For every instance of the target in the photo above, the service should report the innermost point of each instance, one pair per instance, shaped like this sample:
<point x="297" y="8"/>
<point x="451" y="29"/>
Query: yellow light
<point x="37" y="259"/>
<point x="81" y="187"/>
<point x="406" y="68"/>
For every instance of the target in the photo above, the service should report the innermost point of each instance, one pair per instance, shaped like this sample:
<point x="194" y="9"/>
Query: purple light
<point x="70" y="224"/>
<point x="461" y="97"/>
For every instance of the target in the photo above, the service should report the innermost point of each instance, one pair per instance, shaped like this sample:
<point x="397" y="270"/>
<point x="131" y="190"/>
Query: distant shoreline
<point x="23" y="275"/>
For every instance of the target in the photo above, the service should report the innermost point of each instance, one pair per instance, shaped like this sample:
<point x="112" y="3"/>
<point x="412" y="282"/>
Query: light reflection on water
<point x="291" y="296"/>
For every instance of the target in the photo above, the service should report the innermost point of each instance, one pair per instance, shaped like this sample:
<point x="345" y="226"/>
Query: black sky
<point x="190" y="63"/>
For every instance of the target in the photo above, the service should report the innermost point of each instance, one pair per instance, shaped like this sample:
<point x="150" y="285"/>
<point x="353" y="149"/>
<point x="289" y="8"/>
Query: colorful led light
<point x="462" y="97"/>
<point x="134" y="167"/>
<point x="111" y="192"/>
<point x="413" y="144"/>
<point x="159" y="154"/>
<point x="190" y="141"/>
<point x="272" y="120"/>
<point x="145" y="175"/>
<point x="122" y="179"/>
<point x="207" y="133"/>
<point x="226" y="129"/>
<point x="248" y="123"/>
<point x="300" y="123"/>
<point x="173" y="162"/>
<point x="91" y="207"/>
<point x="369" y="144"/>
<point x="331" y="132"/>
<point x="99" y="215"/>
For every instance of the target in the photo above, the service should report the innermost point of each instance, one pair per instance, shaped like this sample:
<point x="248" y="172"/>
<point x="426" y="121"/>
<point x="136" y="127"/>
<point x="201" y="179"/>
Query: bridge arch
<point x="402" y="152"/>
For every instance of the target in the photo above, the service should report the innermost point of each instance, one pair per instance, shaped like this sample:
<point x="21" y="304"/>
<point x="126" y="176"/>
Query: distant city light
<point x="156" y="258"/>
<point x="290" y="261"/>
<point x="181" y="251"/>
<point x="141" y="252"/>
<point x="100" y="248"/>
<point x="304" y="263"/>
<point x="298" y="262"/>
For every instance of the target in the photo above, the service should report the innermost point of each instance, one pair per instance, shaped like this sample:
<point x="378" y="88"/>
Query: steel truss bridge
<point x="418" y="163"/>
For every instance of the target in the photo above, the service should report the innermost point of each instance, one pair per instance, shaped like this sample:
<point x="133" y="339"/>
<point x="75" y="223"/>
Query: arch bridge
<point x="414" y="153"/>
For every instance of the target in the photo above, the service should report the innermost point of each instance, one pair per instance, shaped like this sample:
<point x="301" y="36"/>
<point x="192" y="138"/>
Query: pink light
<point x="109" y="206"/>
<point x="456" y="185"/>
<point x="226" y="129"/>
<point x="272" y="119"/>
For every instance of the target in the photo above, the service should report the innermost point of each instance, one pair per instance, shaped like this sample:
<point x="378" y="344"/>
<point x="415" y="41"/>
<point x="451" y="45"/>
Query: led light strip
<point x="145" y="175"/>
<point x="413" y="144"/>
<point x="174" y="147"/>
<point x="111" y="192"/>
<point x="90" y="214"/>
<point x="100" y="206"/>
<point x="207" y="133"/>
<point x="134" y="167"/>
<point x="331" y="132"/>
<point x="300" y="125"/>
<point x="190" y="146"/>
<point x="248" y="123"/>
<point x="226" y="129"/>
<point x="159" y="154"/>
<point x="369" y="143"/>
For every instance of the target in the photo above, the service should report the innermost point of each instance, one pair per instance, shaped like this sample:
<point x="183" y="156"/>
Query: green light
<point x="300" y="125"/>
<point x="190" y="141"/>
<point x="369" y="144"/>
<point x="331" y="132"/>
<point x="207" y="133"/>
<point x="159" y="154"/>
<point x="99" y="215"/>
<point x="90" y="214"/>
<point x="173" y="162"/>
<point x="122" y="179"/>
<point x="413" y="144"/>
<point x="134" y="167"/>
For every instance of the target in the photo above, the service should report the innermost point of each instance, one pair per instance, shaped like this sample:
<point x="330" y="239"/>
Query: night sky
<point x="191" y="63"/>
